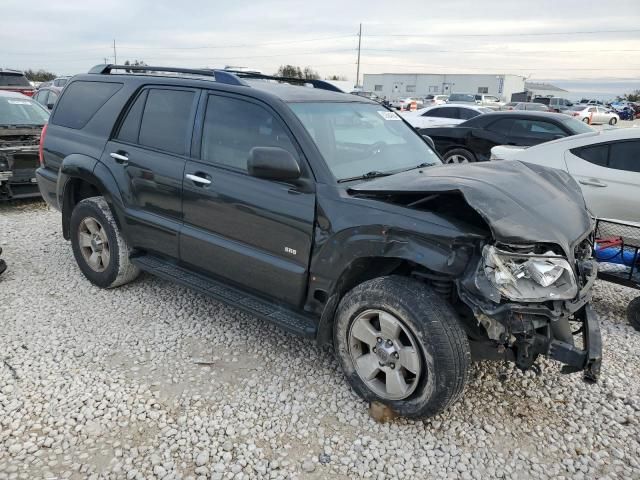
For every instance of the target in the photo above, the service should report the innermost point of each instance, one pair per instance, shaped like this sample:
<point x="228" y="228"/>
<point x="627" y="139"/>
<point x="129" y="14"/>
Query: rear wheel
<point x="401" y="344"/>
<point x="100" y="250"/>
<point x="459" y="155"/>
<point x="613" y="121"/>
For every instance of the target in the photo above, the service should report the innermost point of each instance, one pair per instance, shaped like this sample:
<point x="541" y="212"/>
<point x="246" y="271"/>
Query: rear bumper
<point x="48" y="185"/>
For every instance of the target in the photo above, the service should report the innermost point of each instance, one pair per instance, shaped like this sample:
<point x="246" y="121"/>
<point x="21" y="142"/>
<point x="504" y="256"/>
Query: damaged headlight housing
<point x="529" y="277"/>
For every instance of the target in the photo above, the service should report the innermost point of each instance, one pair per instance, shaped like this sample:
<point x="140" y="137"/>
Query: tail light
<point x="41" y="147"/>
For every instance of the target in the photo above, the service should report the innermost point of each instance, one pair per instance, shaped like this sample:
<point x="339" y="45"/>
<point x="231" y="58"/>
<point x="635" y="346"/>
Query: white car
<point x="431" y="100"/>
<point x="593" y="114"/>
<point x="405" y="103"/>
<point x="606" y="164"/>
<point x="441" y="115"/>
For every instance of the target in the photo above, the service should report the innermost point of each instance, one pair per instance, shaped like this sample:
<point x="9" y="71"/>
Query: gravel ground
<point x="152" y="380"/>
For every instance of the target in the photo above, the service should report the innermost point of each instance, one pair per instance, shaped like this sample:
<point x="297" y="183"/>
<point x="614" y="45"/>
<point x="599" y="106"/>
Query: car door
<point x="252" y="232"/>
<point x="147" y="156"/>
<point x="609" y="176"/>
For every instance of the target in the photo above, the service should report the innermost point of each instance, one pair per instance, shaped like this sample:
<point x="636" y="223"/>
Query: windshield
<point x="21" y="111"/>
<point x="462" y="97"/>
<point x="577" y="126"/>
<point x="359" y="138"/>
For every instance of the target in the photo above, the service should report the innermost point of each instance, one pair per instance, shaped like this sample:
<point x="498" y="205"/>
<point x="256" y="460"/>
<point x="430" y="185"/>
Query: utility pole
<point x="358" y="69"/>
<point x="106" y="60"/>
<point x="115" y="55"/>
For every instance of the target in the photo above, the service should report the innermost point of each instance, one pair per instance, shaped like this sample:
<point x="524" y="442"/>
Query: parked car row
<point x="439" y="115"/>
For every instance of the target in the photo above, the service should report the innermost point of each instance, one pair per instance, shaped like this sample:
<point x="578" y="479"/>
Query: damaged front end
<point x="534" y="301"/>
<point x="18" y="162"/>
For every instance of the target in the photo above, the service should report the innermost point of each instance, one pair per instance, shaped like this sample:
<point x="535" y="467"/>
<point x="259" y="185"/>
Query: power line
<point x="515" y="52"/>
<point x="521" y="34"/>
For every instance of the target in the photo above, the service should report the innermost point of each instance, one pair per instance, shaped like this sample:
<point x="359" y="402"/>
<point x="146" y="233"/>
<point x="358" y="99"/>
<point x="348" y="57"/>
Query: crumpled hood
<point x="521" y="202"/>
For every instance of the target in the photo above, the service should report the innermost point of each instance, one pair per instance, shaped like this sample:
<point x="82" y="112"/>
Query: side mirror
<point x="272" y="163"/>
<point x="50" y="106"/>
<point x="429" y="140"/>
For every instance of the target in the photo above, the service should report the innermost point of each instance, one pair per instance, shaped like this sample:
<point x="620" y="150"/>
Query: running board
<point x="281" y="316"/>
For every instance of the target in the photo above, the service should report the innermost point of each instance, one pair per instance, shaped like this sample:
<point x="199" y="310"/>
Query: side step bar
<point x="282" y="316"/>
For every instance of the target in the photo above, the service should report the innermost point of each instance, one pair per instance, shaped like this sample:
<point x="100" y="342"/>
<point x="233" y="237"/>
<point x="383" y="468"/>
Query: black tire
<point x="633" y="313"/>
<point x="586" y="120"/>
<point x="443" y="344"/>
<point x="119" y="269"/>
<point x="613" y="121"/>
<point x="459" y="155"/>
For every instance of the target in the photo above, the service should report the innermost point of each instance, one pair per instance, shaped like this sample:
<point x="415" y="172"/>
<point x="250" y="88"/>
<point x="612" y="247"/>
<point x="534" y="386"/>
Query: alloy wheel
<point x="385" y="354"/>
<point x="94" y="244"/>
<point x="457" y="159"/>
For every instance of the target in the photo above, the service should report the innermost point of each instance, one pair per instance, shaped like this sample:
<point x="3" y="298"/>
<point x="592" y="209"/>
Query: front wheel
<point x="98" y="246"/>
<point x="586" y="120"/>
<point x="613" y="121"/>
<point x="401" y="344"/>
<point x="459" y="155"/>
<point x="633" y="313"/>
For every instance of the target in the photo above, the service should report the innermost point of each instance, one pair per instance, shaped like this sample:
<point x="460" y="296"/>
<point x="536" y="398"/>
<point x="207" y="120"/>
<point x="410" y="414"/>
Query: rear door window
<point x="166" y="120"/>
<point x="467" y="113"/>
<point x="596" y="154"/>
<point x="81" y="101"/>
<point x="502" y="126"/>
<point x="625" y="156"/>
<point x="130" y="127"/>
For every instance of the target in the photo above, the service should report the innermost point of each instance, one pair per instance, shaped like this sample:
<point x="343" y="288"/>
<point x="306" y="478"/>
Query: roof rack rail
<point x="221" y="76"/>
<point x="321" y="84"/>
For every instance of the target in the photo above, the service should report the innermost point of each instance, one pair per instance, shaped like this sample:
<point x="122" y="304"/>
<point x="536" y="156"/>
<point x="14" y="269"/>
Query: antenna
<point x="358" y="69"/>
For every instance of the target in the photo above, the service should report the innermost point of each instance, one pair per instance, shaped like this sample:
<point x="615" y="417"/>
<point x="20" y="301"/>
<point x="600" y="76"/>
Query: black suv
<point x="328" y="215"/>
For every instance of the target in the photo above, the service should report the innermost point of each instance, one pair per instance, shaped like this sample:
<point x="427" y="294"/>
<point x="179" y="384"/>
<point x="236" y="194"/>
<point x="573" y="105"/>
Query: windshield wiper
<point x="366" y="176"/>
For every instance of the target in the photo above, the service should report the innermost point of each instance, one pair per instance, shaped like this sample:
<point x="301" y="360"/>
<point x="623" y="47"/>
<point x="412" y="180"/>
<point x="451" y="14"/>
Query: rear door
<point x="252" y="232"/>
<point x="147" y="156"/>
<point x="609" y="175"/>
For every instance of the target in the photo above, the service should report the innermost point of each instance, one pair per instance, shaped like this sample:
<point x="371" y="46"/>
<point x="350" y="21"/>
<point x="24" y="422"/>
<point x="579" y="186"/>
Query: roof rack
<point x="321" y="84"/>
<point x="229" y="77"/>
<point x="219" y="75"/>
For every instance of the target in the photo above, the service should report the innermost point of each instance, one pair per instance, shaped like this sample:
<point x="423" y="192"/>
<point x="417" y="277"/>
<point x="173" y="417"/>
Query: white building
<point x="401" y="85"/>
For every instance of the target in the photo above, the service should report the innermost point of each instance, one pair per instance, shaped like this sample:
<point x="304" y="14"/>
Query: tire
<point x="100" y="250"/>
<point x="633" y="313"/>
<point x="613" y="121"/>
<point x="426" y="321"/>
<point x="586" y="120"/>
<point x="459" y="155"/>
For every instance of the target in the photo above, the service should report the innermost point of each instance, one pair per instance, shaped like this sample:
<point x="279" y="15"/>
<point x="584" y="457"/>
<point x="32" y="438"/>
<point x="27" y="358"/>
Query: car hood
<point x="521" y="202"/>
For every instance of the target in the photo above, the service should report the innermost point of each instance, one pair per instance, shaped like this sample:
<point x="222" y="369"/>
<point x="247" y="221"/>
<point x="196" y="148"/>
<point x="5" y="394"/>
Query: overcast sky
<point x="455" y="36"/>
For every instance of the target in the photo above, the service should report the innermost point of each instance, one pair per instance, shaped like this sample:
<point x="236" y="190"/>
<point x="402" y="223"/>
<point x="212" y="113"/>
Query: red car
<point x="15" y="81"/>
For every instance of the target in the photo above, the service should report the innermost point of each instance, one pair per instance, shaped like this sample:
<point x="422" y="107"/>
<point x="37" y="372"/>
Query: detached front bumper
<point x="588" y="359"/>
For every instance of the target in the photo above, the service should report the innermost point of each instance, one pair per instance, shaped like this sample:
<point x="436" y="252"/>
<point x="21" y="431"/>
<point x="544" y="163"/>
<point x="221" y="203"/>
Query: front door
<point x="253" y="232"/>
<point x="147" y="157"/>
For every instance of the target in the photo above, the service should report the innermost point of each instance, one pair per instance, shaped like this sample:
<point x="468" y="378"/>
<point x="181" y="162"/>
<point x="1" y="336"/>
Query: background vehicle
<point x="605" y="164"/>
<point x="58" y="82"/>
<point x="431" y="100"/>
<point x="443" y="115"/>
<point x="527" y="106"/>
<point x="15" y="81"/>
<point x="490" y="101"/>
<point x="405" y="103"/>
<point x="472" y="140"/>
<point x="3" y="264"/>
<point x="369" y="95"/>
<point x="47" y="96"/>
<point x="555" y="104"/>
<point x="592" y="114"/>
<point x="21" y="121"/>
<point x="177" y="173"/>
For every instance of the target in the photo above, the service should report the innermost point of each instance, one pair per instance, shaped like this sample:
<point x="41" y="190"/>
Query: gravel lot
<point x="153" y="380"/>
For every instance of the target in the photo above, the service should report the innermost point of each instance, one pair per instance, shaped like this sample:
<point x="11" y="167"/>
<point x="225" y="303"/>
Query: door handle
<point x="197" y="179"/>
<point x="593" y="182"/>
<point x="119" y="157"/>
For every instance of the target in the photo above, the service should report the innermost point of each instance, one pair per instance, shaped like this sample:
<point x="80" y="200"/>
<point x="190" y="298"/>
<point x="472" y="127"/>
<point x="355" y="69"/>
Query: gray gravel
<point x="152" y="380"/>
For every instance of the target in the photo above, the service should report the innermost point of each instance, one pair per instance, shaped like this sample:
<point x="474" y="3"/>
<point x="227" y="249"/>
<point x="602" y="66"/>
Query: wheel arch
<point x="83" y="177"/>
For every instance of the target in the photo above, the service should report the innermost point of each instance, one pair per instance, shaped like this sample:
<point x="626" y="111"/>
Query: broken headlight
<point x="529" y="277"/>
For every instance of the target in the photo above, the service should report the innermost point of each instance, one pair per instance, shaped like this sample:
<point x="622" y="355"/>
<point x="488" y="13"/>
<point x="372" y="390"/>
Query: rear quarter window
<point x="81" y="101"/>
